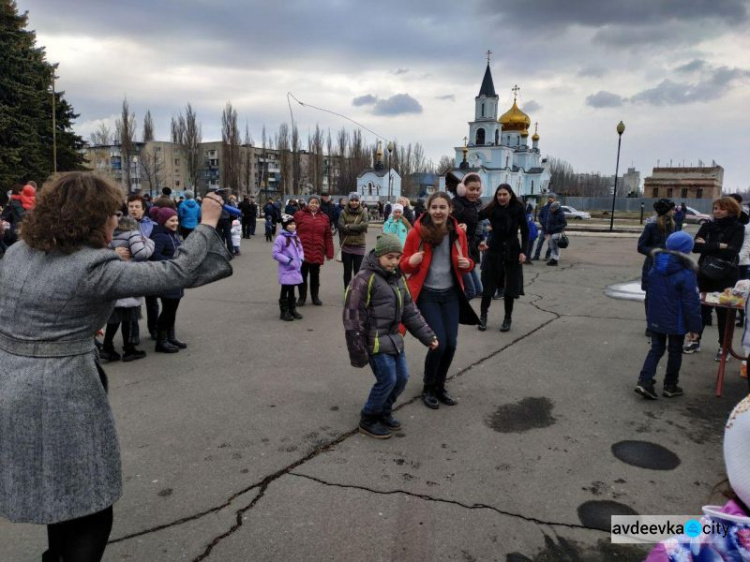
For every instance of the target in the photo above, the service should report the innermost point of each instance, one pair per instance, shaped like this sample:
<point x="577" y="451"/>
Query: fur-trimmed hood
<point x="670" y="261"/>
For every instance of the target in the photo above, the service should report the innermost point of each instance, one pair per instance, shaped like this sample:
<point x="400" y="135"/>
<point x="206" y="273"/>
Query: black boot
<point x="108" y="353"/>
<point x="387" y="419"/>
<point x="163" y="345"/>
<point x="370" y="424"/>
<point x="302" y="295"/>
<point x="131" y="353"/>
<point x="429" y="398"/>
<point x="506" y="324"/>
<point x="284" y="310"/>
<point x="482" y="322"/>
<point x="293" y="309"/>
<point x="442" y="395"/>
<point x="314" y="292"/>
<point x="171" y="338"/>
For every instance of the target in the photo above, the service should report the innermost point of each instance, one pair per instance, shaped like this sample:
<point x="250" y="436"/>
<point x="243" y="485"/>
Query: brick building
<point x="685" y="183"/>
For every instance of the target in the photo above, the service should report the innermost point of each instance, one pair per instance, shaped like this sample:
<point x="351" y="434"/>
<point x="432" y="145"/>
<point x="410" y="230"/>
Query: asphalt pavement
<point x="244" y="446"/>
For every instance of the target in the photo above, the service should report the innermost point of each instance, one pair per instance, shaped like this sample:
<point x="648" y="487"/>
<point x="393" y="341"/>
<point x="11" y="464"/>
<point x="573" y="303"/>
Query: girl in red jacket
<point x="435" y="258"/>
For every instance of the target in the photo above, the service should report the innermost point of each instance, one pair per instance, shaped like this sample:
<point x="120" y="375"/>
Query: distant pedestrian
<point x="165" y="199"/>
<point x="553" y="231"/>
<point x="397" y="223"/>
<point x="542" y="220"/>
<point x="353" y="223"/>
<point x="408" y="211"/>
<point x="236" y="236"/>
<point x="314" y="231"/>
<point x="377" y="302"/>
<point x="673" y="311"/>
<point x="679" y="216"/>
<point x="189" y="213"/>
<point x="533" y="233"/>
<point x="248" y="216"/>
<point x="288" y="251"/>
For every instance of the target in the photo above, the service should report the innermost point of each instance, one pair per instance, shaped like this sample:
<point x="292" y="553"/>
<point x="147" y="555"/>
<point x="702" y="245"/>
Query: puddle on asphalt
<point x="645" y="455"/>
<point x="529" y="413"/>
<point x="598" y="514"/>
<point x="630" y="291"/>
<point x="564" y="550"/>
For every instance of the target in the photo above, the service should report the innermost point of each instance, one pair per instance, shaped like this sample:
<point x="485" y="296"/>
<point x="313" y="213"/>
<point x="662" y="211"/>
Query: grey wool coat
<point x="59" y="454"/>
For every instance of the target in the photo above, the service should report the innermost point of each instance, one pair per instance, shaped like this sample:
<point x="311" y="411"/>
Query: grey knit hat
<point x="354" y="195"/>
<point x="386" y="244"/>
<point x="189" y="194"/>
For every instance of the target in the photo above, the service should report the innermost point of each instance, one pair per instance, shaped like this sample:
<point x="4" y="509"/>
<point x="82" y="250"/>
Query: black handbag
<point x="714" y="268"/>
<point x="563" y="241"/>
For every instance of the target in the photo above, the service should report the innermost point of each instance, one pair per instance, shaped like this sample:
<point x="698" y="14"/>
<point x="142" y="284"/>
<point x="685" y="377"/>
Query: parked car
<point x="571" y="213"/>
<point x="694" y="217"/>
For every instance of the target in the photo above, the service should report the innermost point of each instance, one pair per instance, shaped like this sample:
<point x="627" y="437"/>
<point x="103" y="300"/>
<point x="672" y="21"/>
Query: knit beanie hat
<point x="663" y="206"/>
<point x="286" y="220"/>
<point x="680" y="241"/>
<point x="737" y="449"/>
<point x="397" y="207"/>
<point x="164" y="214"/>
<point x="153" y="213"/>
<point x="354" y="196"/>
<point x="189" y="194"/>
<point x="386" y="244"/>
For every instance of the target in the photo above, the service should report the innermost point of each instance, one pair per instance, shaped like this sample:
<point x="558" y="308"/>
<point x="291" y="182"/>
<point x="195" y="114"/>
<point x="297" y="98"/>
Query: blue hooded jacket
<point x="189" y="213"/>
<point x="673" y="298"/>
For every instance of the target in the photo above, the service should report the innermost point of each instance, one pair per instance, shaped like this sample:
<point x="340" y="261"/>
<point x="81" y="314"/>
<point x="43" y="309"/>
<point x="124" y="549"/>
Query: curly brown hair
<point x="72" y="211"/>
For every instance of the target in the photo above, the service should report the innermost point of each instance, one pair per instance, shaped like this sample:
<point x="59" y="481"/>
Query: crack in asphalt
<point x="427" y="497"/>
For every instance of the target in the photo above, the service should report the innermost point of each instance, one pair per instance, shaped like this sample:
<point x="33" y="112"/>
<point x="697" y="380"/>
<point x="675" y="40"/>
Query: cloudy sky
<point x="677" y="72"/>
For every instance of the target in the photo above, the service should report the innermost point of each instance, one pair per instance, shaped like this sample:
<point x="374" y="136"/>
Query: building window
<point x="532" y="187"/>
<point x="482" y="109"/>
<point x="497" y="137"/>
<point x="684" y="193"/>
<point x="655" y="192"/>
<point x="176" y="161"/>
<point x="699" y="193"/>
<point x="480" y="137"/>
<point x="177" y="183"/>
<point x="670" y="192"/>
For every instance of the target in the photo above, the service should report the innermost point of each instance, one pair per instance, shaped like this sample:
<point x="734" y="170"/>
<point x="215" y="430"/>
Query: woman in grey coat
<point x="60" y="455"/>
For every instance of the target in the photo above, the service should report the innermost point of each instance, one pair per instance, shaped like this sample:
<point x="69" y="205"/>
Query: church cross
<point x="466" y="141"/>
<point x="515" y="89"/>
<point x="489" y="54"/>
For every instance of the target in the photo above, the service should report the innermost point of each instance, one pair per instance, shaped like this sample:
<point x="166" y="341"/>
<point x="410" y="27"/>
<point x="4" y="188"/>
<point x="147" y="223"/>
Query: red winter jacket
<point x="417" y="274"/>
<point x="315" y="233"/>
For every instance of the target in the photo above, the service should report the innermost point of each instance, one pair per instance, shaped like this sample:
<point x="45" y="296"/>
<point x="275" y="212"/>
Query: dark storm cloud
<point x="692" y="66"/>
<point x="715" y="84"/>
<point x="367" y="99"/>
<point x="605" y="99"/>
<point x="399" y="104"/>
<point x="531" y="106"/>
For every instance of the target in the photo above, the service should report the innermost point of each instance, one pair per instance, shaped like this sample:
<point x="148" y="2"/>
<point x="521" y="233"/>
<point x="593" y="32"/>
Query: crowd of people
<point x="427" y="264"/>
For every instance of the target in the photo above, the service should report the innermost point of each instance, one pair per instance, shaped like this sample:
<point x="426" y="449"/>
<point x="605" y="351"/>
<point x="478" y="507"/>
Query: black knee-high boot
<point x="484" y="308"/>
<point x="508" y="301"/>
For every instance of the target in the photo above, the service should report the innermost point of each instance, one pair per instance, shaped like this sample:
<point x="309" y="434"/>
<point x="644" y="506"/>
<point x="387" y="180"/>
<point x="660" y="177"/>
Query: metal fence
<point x="631" y="204"/>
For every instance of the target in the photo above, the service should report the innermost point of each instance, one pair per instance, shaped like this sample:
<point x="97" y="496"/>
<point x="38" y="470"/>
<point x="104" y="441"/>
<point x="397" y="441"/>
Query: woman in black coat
<point x="504" y="258"/>
<point x="654" y="236"/>
<point x="721" y="238"/>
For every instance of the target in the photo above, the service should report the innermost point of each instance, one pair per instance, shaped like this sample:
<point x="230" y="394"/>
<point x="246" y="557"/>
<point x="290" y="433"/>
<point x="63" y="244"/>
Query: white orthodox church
<point x="498" y="149"/>
<point x="379" y="183"/>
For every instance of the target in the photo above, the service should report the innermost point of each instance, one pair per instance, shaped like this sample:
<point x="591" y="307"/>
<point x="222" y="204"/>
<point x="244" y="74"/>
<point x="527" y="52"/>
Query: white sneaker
<point x="692" y="346"/>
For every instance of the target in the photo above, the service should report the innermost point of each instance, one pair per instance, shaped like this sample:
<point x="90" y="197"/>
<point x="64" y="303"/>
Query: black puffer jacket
<point x="727" y="231"/>
<point x="376" y="302"/>
<point x="467" y="212"/>
<point x="506" y="222"/>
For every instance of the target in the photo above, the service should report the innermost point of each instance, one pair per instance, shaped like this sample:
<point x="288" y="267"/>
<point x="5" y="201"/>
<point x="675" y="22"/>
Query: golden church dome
<point x="514" y="119"/>
<point x="535" y="137"/>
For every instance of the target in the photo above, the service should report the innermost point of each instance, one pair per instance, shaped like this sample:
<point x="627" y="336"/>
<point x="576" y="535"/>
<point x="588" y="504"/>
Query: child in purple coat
<point x="287" y="250"/>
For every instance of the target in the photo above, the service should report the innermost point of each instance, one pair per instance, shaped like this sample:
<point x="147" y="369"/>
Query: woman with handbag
<point x="505" y="254"/>
<point x="435" y="259"/>
<point x="719" y="243"/>
<point x="554" y="231"/>
<point x="352" y="231"/>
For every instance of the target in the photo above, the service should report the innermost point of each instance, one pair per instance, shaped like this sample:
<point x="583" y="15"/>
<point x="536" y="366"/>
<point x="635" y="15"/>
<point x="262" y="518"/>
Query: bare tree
<point x="125" y="133"/>
<point x="342" y="142"/>
<point x="315" y="146"/>
<point x="285" y="161"/>
<point x="151" y="167"/>
<point x="247" y="162"/>
<point x="148" y="127"/>
<point x="186" y="132"/>
<point x="329" y="156"/>
<point x="296" y="167"/>
<point x="101" y="136"/>
<point x="445" y="164"/>
<point x="176" y="130"/>
<point x="230" y="143"/>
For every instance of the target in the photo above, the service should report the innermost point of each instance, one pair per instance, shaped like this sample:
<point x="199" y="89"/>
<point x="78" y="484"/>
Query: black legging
<point x="314" y="270"/>
<point x="351" y="266"/>
<point x="79" y="540"/>
<point x="287" y="292"/>
<point x="168" y="314"/>
<point x="109" y="334"/>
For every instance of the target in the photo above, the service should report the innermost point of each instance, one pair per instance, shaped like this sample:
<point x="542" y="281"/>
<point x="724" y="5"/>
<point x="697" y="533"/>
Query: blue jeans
<point x="391" y="375"/>
<point x="440" y="310"/>
<point x="539" y="247"/>
<point x="674" y="361"/>
<point x="472" y="284"/>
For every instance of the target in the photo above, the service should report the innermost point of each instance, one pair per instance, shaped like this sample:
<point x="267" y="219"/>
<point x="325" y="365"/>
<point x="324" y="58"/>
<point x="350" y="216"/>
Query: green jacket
<point x="353" y="226"/>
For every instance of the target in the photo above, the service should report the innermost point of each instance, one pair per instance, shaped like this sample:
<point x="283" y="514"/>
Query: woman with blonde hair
<point x="60" y="456"/>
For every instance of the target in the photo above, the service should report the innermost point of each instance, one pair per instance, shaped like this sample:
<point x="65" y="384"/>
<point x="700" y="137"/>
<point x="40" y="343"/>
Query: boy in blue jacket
<point x="673" y="310"/>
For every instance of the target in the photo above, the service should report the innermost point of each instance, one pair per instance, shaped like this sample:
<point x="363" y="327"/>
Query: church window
<point x="532" y="187"/>
<point x="482" y="109"/>
<point x="497" y="137"/>
<point x="369" y="188"/>
<point x="480" y="137"/>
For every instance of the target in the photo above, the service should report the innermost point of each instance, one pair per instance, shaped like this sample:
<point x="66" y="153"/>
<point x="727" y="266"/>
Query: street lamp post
<point x="620" y="131"/>
<point x="390" y="174"/>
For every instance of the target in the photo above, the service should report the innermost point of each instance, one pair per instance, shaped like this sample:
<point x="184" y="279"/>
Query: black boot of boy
<point x="387" y="419"/>
<point x="428" y="397"/>
<point x="482" y="322"/>
<point x="371" y="425"/>
<point x="506" y="324"/>
<point x="109" y="354"/>
<point x="293" y="309"/>
<point x="131" y="353"/>
<point x="442" y="395"/>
